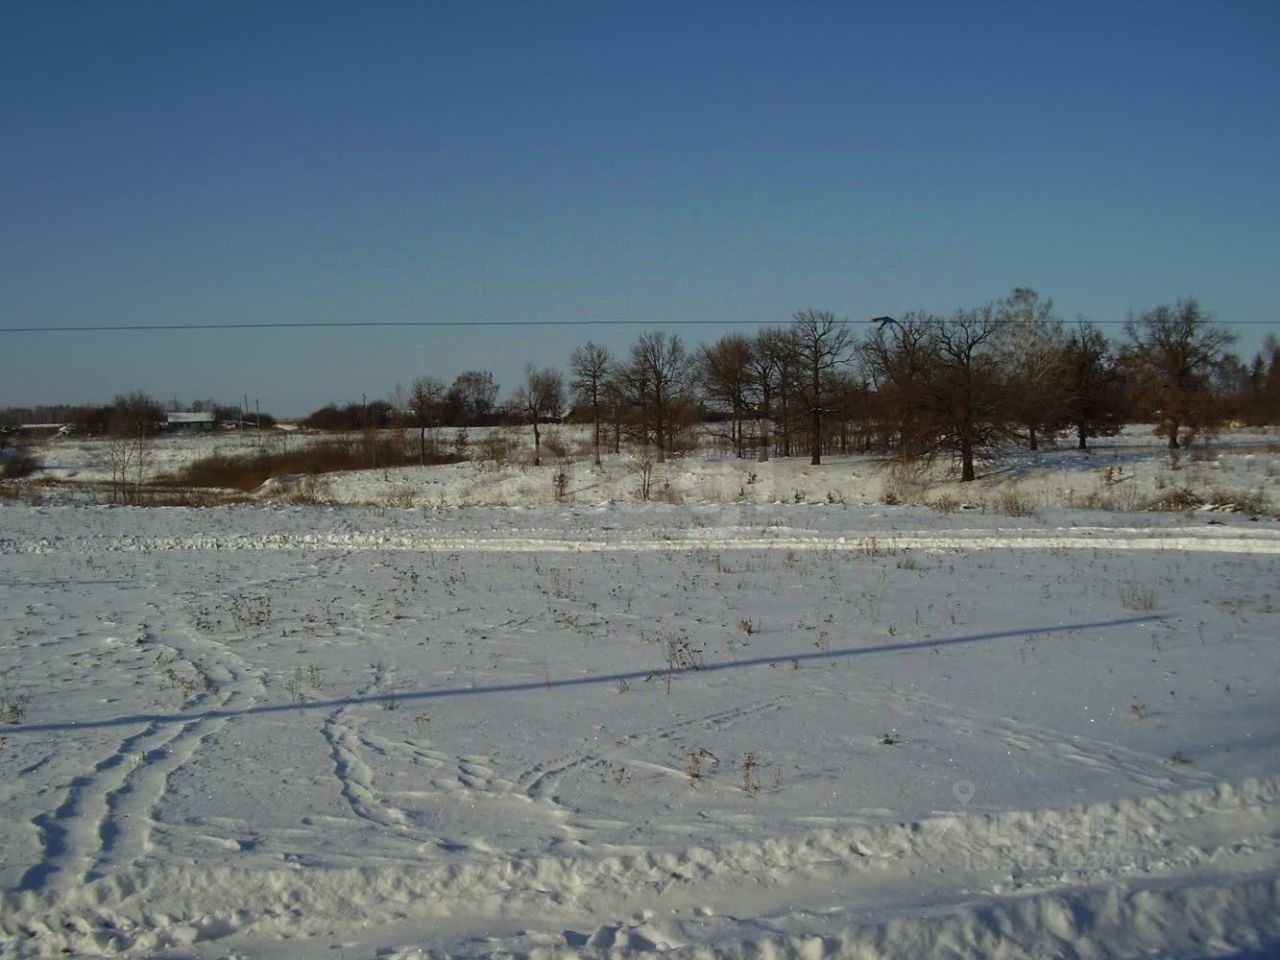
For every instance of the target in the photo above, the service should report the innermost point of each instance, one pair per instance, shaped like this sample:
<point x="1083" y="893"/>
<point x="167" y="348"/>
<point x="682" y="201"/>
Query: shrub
<point x="1175" y="499"/>
<point x="907" y="482"/>
<point x="404" y="497"/>
<point x="252" y="470"/>
<point x="494" y="446"/>
<point x="20" y="465"/>
<point x="312" y="489"/>
<point x="1240" y="501"/>
<point x="1014" y="503"/>
<point x="555" y="446"/>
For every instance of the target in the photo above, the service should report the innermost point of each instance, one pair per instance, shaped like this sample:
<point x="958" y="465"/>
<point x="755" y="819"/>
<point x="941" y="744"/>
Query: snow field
<point x="275" y="731"/>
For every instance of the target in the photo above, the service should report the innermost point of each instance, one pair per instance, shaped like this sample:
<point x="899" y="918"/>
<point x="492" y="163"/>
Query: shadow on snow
<point x="406" y="696"/>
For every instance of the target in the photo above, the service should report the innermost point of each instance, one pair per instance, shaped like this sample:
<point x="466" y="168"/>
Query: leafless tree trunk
<point x="724" y="370"/>
<point x="824" y="344"/>
<point x="540" y="396"/>
<point x="940" y="385"/>
<point x="1030" y="340"/>
<point x="777" y="371"/>
<point x="655" y="384"/>
<point x="1093" y="401"/>
<point x="762" y="383"/>
<point x="1173" y="352"/>
<point x="426" y="406"/>
<point x="590" y="366"/>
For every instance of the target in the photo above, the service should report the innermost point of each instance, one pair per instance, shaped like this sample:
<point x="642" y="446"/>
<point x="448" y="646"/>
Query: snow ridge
<point x="1102" y="879"/>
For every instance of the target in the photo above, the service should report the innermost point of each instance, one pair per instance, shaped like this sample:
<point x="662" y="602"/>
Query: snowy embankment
<point x="715" y="731"/>
<point x="1130" y="472"/>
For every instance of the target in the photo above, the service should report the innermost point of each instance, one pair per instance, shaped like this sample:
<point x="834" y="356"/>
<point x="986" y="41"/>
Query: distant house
<point x="179" y="420"/>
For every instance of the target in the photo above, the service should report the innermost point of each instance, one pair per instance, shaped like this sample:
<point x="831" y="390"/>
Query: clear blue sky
<point x="263" y="161"/>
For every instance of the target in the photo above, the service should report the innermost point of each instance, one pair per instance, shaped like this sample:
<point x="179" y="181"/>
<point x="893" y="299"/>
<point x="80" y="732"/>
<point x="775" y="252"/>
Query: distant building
<point x="178" y="420"/>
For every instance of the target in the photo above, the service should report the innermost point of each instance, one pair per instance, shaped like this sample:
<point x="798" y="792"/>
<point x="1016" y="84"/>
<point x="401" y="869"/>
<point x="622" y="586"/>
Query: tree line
<point x="128" y="413"/>
<point x="966" y="386"/>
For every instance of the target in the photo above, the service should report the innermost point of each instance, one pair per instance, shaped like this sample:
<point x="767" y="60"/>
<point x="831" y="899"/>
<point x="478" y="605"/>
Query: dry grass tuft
<point x="1175" y="499"/>
<point x="1013" y="503"/>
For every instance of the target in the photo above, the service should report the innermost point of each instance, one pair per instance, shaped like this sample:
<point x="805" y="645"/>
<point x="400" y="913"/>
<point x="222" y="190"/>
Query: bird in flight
<point x="883" y="321"/>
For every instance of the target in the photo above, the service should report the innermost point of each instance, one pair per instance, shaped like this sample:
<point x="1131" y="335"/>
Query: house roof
<point x="187" y="416"/>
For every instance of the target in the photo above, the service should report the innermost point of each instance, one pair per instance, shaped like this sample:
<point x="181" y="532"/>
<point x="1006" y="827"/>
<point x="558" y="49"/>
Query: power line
<point x="408" y="324"/>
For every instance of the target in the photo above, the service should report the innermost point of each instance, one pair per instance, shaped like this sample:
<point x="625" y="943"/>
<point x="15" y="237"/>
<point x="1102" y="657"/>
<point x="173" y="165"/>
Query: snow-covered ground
<point x="1130" y="472"/>
<point x="712" y="728"/>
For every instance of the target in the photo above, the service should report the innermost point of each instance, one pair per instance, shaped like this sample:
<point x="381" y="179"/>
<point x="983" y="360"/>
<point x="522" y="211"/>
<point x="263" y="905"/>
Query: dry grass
<point x="1013" y="503"/>
<point x="402" y="497"/>
<point x="249" y="472"/>
<point x="1175" y="499"/>
<point x="1241" y="501"/>
<point x="496" y="447"/>
<point x="907" y="482"/>
<point x="180" y="497"/>
<point x="554" y="445"/>
<point x="311" y="489"/>
<point x="25" y="491"/>
<point x="1121" y="499"/>
<point x="1136" y="596"/>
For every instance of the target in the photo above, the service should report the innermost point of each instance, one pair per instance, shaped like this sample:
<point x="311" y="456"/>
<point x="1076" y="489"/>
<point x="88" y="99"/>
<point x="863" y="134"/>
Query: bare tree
<point x="1030" y="341"/>
<point x="1092" y="389"/>
<point x="472" y="397"/>
<point x="724" y="372"/>
<point x="655" y="384"/>
<point x="615" y="393"/>
<point x="901" y="360"/>
<point x="425" y="406"/>
<point x="1173" y="350"/>
<point x="540" y="397"/>
<point x="976" y="418"/>
<point x="779" y="369"/>
<point x="849" y="419"/>
<point x="941" y="383"/>
<point x="120" y="450"/>
<point x="1262" y="399"/>
<point x="1252" y="387"/>
<point x="135" y="419"/>
<point x="590" y="366"/>
<point x="823" y="344"/>
<point x="763" y="376"/>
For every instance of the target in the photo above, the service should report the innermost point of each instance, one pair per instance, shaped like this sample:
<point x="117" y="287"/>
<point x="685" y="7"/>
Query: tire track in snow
<point x="130" y="817"/>
<point x="542" y="780"/>
<point x="73" y="835"/>
<point x="106" y="820"/>
<point x="355" y="777"/>
<point x="1145" y="769"/>
<point x="348" y="742"/>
